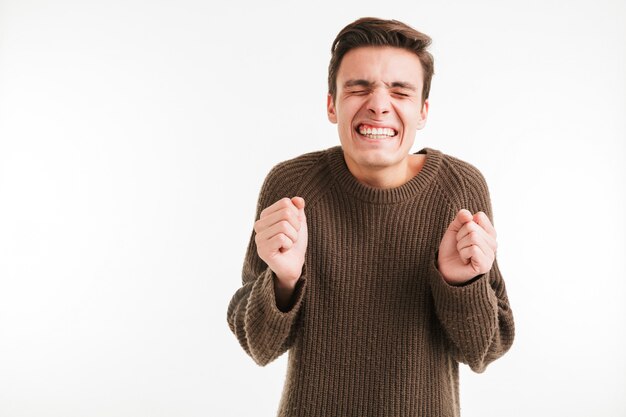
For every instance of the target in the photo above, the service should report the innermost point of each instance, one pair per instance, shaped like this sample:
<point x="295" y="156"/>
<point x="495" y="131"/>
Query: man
<point x="375" y="267"/>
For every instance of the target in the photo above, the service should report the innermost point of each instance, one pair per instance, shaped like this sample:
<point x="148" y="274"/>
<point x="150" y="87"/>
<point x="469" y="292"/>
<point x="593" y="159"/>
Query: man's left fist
<point x="468" y="247"/>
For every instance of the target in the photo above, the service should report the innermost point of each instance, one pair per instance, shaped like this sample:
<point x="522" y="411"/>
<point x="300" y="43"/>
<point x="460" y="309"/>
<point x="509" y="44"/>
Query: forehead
<point x="380" y="64"/>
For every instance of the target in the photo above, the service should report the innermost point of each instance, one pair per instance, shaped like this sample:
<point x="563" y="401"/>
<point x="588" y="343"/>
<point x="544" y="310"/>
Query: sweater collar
<point x="411" y="188"/>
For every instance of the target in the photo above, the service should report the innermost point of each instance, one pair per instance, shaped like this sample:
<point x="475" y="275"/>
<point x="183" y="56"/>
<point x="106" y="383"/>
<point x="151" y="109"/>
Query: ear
<point x="423" y="115"/>
<point x="330" y="109"/>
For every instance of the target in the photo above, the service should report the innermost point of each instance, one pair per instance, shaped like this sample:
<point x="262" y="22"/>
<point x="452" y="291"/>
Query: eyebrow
<point x="369" y="84"/>
<point x="359" y="83"/>
<point x="403" y="84"/>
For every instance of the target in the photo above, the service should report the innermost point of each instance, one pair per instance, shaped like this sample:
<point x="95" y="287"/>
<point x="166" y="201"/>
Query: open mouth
<point x="373" y="132"/>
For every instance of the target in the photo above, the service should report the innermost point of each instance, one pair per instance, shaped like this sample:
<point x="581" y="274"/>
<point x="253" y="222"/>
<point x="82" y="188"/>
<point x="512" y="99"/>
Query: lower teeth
<point x="376" y="136"/>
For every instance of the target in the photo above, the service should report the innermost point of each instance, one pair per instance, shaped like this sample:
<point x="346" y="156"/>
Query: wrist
<point x="284" y="284"/>
<point x="284" y="293"/>
<point x="287" y="281"/>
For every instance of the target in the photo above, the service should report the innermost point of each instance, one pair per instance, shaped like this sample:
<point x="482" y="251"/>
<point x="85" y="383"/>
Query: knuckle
<point x="287" y="213"/>
<point x="284" y="240"/>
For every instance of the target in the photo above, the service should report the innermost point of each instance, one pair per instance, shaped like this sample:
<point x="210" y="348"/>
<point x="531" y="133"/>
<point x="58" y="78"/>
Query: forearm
<point x="261" y="327"/>
<point x="476" y="317"/>
<point x="284" y="294"/>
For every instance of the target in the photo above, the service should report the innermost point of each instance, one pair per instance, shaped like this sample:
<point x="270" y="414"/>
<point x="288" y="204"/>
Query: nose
<point x="378" y="103"/>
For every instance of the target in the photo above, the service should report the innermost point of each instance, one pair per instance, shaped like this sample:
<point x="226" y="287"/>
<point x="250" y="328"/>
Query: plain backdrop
<point x="134" y="138"/>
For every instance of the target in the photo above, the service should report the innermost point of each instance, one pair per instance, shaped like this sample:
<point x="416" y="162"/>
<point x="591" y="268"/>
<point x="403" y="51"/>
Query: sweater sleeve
<point x="263" y="330"/>
<point x="476" y="317"/>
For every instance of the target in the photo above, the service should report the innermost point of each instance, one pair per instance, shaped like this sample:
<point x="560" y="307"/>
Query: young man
<point x="375" y="267"/>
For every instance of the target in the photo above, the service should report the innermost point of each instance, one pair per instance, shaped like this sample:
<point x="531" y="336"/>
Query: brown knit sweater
<point x="374" y="330"/>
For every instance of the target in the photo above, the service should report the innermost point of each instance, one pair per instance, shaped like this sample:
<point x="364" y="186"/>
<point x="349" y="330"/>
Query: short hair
<point x="371" y="31"/>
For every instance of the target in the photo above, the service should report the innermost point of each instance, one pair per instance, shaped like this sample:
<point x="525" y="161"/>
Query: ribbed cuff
<point x="266" y="327"/>
<point x="269" y="295"/>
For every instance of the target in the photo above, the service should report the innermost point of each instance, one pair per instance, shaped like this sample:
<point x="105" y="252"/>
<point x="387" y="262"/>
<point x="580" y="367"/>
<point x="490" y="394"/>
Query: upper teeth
<point x="384" y="131"/>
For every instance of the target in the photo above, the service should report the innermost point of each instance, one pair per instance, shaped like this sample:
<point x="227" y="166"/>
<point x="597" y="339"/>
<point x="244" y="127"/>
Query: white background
<point x="134" y="138"/>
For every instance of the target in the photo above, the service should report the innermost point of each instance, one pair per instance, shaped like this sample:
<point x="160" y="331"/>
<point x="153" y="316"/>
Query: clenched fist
<point x="281" y="239"/>
<point x="468" y="247"/>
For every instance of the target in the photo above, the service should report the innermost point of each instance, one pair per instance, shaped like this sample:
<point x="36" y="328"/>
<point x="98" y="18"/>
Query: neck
<point x="389" y="177"/>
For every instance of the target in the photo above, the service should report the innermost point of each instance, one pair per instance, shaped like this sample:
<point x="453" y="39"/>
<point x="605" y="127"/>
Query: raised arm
<point x="468" y="290"/>
<point x="263" y="313"/>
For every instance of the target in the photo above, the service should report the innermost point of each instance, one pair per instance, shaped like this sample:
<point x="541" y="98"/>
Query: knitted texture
<point x="373" y="329"/>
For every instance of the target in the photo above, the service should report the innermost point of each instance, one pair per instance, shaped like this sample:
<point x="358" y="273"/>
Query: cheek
<point x="351" y="106"/>
<point x="409" y="116"/>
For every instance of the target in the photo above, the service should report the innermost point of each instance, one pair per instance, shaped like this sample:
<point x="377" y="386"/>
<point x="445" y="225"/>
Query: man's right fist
<point x="282" y="237"/>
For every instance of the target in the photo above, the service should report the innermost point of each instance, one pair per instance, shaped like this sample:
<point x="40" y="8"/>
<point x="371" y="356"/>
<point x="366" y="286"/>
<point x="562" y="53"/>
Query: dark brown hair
<point x="370" y="31"/>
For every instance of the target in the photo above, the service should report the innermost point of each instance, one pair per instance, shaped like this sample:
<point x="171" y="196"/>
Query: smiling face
<point x="378" y="110"/>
